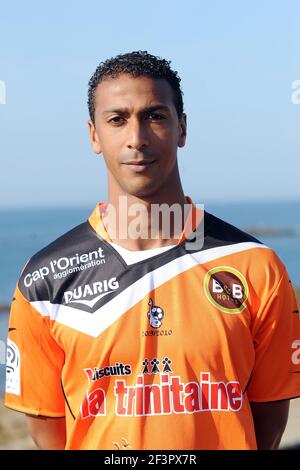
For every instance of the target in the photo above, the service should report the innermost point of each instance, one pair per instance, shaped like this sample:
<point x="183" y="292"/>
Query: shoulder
<point x="65" y="255"/>
<point x="256" y="257"/>
<point x="240" y="259"/>
<point x="220" y="230"/>
<point x="56" y="250"/>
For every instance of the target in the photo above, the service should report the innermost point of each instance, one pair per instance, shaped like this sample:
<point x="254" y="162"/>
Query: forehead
<point x="133" y="92"/>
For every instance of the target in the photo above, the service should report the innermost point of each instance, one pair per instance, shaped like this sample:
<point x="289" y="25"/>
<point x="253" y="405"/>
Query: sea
<point x="23" y="232"/>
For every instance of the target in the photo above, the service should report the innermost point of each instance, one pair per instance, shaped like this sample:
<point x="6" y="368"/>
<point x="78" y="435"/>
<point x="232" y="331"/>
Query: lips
<point x="139" y="165"/>
<point x="139" y="162"/>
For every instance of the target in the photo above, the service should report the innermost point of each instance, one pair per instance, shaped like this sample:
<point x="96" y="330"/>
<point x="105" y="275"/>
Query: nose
<point x="137" y="134"/>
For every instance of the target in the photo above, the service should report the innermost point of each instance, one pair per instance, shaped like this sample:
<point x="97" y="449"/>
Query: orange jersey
<point x="159" y="353"/>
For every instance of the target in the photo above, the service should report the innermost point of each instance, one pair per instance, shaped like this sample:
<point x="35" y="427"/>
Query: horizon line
<point x="88" y="205"/>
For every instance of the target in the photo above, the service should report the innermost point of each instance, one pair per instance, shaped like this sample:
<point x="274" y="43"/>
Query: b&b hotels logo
<point x="226" y="288"/>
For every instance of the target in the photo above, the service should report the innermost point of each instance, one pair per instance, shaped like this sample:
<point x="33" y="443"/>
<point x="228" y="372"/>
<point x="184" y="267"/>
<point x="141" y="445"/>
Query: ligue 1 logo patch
<point x="226" y="288"/>
<point x="13" y="371"/>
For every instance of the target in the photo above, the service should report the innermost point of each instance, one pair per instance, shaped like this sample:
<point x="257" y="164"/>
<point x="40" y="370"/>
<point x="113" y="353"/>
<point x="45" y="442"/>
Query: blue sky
<point x="237" y="61"/>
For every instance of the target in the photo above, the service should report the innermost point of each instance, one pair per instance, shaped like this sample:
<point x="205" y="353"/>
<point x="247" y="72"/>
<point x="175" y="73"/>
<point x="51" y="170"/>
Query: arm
<point x="47" y="433"/>
<point x="270" y="420"/>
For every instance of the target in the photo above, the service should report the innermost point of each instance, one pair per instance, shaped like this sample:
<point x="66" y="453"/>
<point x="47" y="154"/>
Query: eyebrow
<point x="147" y="109"/>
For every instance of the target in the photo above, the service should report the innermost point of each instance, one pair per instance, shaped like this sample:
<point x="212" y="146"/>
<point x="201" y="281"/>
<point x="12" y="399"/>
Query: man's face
<point x="138" y="131"/>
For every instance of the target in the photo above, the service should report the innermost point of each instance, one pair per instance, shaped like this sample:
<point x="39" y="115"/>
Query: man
<point x="121" y="337"/>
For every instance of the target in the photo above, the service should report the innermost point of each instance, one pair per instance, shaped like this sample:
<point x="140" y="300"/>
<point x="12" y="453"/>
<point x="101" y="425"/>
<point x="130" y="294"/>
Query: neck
<point x="141" y="223"/>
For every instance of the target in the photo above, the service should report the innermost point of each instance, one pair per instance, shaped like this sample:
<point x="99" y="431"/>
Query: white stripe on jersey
<point x="93" y="324"/>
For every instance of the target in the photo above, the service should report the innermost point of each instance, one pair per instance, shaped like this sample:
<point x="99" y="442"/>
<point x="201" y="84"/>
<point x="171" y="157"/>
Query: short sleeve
<point x="276" y="372"/>
<point x="34" y="362"/>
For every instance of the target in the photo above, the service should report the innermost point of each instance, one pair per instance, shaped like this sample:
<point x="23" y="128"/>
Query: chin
<point x="142" y="192"/>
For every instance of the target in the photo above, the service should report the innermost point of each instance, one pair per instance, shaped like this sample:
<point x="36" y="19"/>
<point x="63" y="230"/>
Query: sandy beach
<point x="13" y="430"/>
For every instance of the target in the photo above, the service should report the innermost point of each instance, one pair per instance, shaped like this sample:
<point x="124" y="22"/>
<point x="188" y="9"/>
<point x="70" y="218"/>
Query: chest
<point x="159" y="323"/>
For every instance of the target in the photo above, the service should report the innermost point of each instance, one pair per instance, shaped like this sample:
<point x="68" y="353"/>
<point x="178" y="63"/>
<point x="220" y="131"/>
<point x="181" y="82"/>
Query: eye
<point x="155" y="117"/>
<point x="116" y="120"/>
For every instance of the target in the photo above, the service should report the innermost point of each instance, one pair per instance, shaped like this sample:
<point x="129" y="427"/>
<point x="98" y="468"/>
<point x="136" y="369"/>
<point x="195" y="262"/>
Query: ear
<point x="182" y="130"/>
<point x="94" y="138"/>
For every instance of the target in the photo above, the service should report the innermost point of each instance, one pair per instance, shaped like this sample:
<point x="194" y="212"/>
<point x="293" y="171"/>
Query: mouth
<point x="139" y="165"/>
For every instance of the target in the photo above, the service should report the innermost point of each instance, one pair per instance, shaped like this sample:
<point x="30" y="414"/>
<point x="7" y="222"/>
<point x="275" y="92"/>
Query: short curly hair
<point x="136" y="63"/>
